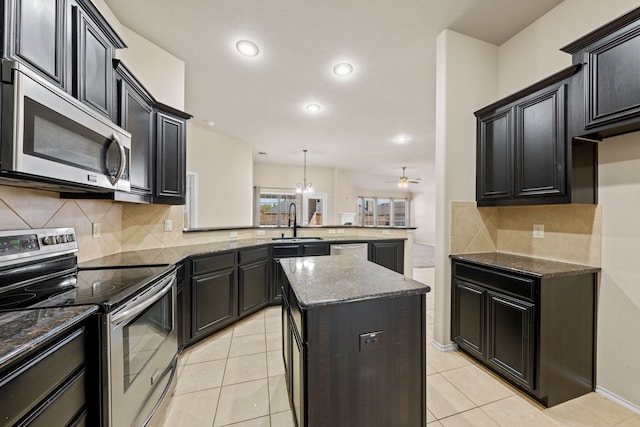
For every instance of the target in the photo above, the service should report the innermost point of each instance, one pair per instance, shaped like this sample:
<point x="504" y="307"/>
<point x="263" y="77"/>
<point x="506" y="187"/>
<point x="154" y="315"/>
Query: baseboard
<point x="619" y="400"/>
<point x="444" y="348"/>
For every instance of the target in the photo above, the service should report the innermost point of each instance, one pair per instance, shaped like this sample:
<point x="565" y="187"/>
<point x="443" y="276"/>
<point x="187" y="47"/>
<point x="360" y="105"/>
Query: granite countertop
<point x="337" y="279"/>
<point x="527" y="265"/>
<point x="24" y="330"/>
<point x="175" y="254"/>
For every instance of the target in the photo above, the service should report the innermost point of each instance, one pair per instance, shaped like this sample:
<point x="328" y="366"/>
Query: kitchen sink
<point x="296" y="239"/>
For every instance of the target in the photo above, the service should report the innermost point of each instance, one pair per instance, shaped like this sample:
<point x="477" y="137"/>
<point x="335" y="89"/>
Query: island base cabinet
<point x="339" y="375"/>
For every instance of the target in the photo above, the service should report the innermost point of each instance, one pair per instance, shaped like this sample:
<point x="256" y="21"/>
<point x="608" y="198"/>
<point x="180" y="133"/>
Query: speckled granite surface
<point x="23" y="330"/>
<point x="527" y="265"/>
<point x="176" y="254"/>
<point x="336" y="279"/>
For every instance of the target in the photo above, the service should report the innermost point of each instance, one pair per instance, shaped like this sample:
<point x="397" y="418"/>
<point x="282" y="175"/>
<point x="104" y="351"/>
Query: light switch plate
<point x="341" y="231"/>
<point x="538" y="231"/>
<point x="386" y="232"/>
<point x="233" y="234"/>
<point x="332" y="231"/>
<point x="259" y="232"/>
<point x="168" y="225"/>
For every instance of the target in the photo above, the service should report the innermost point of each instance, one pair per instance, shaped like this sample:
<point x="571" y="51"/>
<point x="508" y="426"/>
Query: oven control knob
<point x="71" y="238"/>
<point x="60" y="239"/>
<point x="49" y="240"/>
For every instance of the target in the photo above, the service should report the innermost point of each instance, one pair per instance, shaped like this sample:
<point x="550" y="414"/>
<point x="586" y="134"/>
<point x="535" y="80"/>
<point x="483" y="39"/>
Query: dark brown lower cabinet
<point x="388" y="254"/>
<point x="253" y="286"/>
<point x="537" y="332"/>
<point x="213" y="301"/>
<point x="335" y="377"/>
<point x="55" y="385"/>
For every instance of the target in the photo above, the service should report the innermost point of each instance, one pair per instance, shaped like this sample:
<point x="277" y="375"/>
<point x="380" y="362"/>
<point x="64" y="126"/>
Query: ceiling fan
<point x="404" y="181"/>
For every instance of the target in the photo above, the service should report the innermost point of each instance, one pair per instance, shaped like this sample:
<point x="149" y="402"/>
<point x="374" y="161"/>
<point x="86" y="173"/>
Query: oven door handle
<point x="141" y="306"/>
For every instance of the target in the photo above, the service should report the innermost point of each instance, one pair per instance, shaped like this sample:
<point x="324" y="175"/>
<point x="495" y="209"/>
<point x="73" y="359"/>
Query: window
<point x="383" y="212"/>
<point x="272" y="207"/>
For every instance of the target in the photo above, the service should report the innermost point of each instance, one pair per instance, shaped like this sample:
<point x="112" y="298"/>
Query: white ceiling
<point x="261" y="100"/>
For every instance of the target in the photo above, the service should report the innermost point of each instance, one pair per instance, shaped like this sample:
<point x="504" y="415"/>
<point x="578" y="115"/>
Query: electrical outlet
<point x="341" y="231"/>
<point x="538" y="231"/>
<point x="95" y="230"/>
<point x="332" y="231"/>
<point x="386" y="232"/>
<point x="233" y="234"/>
<point x="371" y="341"/>
<point x="260" y="233"/>
<point x="168" y="225"/>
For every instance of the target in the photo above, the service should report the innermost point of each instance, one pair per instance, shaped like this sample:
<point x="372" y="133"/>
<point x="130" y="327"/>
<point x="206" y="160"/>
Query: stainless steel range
<point x="38" y="268"/>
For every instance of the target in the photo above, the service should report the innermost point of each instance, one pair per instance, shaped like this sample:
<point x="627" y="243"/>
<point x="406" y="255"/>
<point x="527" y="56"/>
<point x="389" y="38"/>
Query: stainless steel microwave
<point x="49" y="136"/>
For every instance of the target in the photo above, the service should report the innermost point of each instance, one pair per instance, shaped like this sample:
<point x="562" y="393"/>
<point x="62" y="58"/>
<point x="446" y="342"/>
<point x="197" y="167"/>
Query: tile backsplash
<point x="25" y="208"/>
<point x="572" y="233"/>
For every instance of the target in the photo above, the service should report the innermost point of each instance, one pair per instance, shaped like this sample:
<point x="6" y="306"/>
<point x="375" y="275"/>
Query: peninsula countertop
<point x="176" y="254"/>
<point x="336" y="279"/>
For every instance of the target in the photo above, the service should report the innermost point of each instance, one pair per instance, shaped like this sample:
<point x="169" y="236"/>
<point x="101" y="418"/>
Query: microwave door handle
<point x="140" y="306"/>
<point x="123" y="160"/>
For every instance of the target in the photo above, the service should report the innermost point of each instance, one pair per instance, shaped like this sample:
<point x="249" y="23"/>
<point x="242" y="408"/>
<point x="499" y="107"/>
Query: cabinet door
<point x="136" y="116"/>
<point x="612" y="84"/>
<point x="468" y="317"/>
<point x="170" y="159"/>
<point x="39" y="36"/>
<point x="93" y="69"/>
<point x="540" y="144"/>
<point x="213" y="301"/>
<point x="388" y="254"/>
<point x="253" y="286"/>
<point x="511" y="338"/>
<point x="494" y="156"/>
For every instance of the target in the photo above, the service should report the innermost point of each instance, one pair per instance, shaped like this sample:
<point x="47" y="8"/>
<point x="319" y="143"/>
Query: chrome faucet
<point x="295" y="224"/>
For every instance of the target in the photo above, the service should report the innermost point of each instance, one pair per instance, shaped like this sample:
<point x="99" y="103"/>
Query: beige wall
<point x="423" y="216"/>
<point x="528" y="57"/>
<point x="225" y="180"/>
<point x="345" y="197"/>
<point x="466" y="79"/>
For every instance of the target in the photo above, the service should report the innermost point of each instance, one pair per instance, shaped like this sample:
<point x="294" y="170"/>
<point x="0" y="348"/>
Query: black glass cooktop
<point x="108" y="287"/>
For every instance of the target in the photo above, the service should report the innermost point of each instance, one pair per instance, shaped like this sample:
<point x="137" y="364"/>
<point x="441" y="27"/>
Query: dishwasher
<point x="356" y="249"/>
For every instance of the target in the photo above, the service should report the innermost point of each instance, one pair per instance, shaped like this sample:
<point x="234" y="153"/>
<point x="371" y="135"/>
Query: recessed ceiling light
<point x="209" y="123"/>
<point x="401" y="139"/>
<point x="247" y="48"/>
<point x="343" y="69"/>
<point x="313" y="108"/>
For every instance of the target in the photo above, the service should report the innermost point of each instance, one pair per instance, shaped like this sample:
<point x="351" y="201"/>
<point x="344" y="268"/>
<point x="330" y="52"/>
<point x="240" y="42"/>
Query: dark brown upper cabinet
<point x="524" y="153"/>
<point x="134" y="113"/>
<point x="611" y="59"/>
<point x="94" y="44"/>
<point x="35" y="34"/>
<point x="170" y="155"/>
<point x="68" y="42"/>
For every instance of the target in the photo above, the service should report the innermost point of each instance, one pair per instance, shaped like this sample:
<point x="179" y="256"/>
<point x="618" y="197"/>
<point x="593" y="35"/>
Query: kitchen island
<point x="354" y="343"/>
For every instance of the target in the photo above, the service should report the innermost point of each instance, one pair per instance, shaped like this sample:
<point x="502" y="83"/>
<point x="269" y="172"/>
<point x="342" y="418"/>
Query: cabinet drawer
<point x="252" y="255"/>
<point x="514" y="285"/>
<point x="64" y="406"/>
<point x="24" y="388"/>
<point x="213" y="263"/>
<point x="285" y="251"/>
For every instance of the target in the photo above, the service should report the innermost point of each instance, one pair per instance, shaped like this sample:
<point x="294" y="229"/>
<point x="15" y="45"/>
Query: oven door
<point x="142" y="348"/>
<point x="50" y="135"/>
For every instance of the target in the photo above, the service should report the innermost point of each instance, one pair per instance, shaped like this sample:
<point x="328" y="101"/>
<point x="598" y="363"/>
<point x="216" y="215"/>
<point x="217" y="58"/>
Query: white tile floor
<point x="236" y="378"/>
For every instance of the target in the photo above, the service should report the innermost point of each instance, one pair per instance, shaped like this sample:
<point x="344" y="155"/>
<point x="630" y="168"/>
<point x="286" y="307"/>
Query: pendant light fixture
<point x="304" y="186"/>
